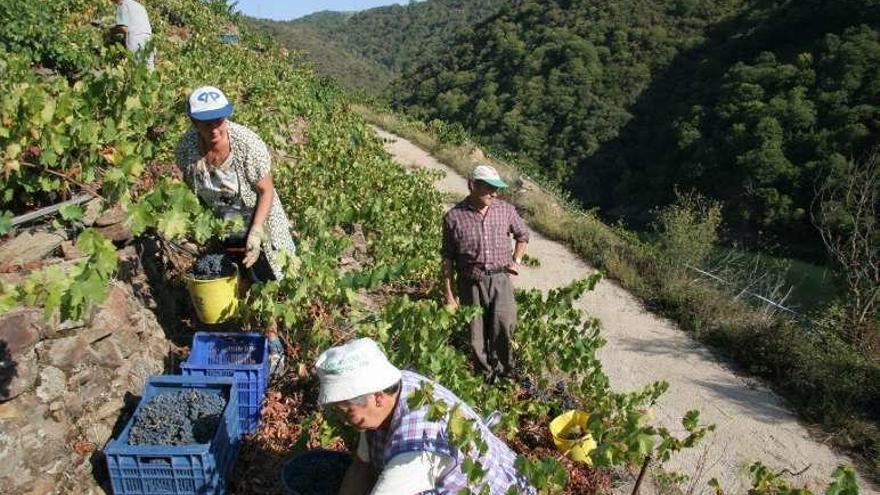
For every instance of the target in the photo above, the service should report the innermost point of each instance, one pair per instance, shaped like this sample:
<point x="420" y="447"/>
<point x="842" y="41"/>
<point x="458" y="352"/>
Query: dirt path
<point x="752" y="422"/>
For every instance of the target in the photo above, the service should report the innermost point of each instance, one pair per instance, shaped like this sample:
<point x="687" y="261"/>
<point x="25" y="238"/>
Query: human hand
<point x="253" y="246"/>
<point x="450" y="303"/>
<point x="513" y="268"/>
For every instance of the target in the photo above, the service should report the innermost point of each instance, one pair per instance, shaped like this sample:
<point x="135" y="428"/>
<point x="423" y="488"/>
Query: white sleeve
<point x="363" y="448"/>
<point x="122" y="16"/>
<point x="411" y="472"/>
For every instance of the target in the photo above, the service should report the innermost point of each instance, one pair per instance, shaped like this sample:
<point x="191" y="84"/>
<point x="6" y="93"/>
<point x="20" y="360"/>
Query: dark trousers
<point x="492" y="332"/>
<point x="261" y="271"/>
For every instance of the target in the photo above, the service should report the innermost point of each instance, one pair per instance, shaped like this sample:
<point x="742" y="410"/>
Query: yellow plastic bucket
<point x="215" y="300"/>
<point x="570" y="435"/>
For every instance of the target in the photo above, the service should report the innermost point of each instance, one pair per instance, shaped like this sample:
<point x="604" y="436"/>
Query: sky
<point x="292" y="9"/>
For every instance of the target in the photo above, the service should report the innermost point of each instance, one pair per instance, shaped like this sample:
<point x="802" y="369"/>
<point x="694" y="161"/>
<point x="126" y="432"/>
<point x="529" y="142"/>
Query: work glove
<point x="253" y="246"/>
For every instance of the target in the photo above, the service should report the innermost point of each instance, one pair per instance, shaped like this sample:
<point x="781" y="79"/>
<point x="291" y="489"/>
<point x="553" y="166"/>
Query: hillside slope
<point x="79" y="116"/>
<point x="364" y="50"/>
<point x="329" y="55"/>
<point x="749" y="102"/>
<point x="753" y="422"/>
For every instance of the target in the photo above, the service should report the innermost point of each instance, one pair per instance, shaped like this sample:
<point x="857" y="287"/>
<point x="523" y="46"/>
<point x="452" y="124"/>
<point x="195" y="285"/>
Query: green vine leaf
<point x="71" y="212"/>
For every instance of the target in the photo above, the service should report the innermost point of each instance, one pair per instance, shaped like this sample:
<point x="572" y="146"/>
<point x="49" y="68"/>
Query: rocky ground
<point x="67" y="387"/>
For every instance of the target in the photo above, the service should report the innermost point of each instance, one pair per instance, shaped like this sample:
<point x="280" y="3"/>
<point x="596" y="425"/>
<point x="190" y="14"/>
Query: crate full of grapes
<point x="243" y="356"/>
<point x="182" y="439"/>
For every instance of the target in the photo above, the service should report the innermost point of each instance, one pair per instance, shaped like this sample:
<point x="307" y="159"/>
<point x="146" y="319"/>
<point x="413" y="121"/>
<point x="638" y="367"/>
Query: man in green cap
<point x="477" y="253"/>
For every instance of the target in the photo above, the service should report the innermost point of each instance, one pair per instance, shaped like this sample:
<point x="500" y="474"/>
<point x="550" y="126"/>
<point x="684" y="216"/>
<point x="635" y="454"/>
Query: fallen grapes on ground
<point x="556" y="395"/>
<point x="214" y="265"/>
<point x="178" y="418"/>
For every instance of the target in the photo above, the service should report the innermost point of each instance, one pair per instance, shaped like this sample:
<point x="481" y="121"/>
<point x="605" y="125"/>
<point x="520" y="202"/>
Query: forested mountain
<point x="364" y="49"/>
<point x="328" y="54"/>
<point x="752" y="102"/>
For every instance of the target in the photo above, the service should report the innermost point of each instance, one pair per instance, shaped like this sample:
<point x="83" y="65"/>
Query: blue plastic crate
<point x="177" y="470"/>
<point x="244" y="356"/>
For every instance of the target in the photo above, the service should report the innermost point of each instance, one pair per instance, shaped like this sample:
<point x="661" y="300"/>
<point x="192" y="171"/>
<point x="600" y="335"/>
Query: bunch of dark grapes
<point x="565" y="400"/>
<point x="532" y="391"/>
<point x="559" y="399"/>
<point x="177" y="418"/>
<point x="214" y="265"/>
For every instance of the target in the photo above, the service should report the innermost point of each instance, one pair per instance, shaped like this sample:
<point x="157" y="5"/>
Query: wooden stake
<point x="641" y="475"/>
<point x="42" y="212"/>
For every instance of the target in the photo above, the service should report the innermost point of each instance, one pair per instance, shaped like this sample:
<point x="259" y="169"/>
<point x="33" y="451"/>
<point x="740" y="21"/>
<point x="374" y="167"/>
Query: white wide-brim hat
<point x="354" y="369"/>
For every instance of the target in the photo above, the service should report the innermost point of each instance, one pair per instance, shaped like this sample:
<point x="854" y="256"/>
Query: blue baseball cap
<point x="208" y="103"/>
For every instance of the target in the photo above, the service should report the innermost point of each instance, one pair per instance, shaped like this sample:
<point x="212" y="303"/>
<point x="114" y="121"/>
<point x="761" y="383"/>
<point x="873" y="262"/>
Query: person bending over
<point x="401" y="451"/>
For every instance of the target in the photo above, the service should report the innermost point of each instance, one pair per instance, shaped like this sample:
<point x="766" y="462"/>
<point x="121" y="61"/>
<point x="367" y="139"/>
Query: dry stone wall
<point x="64" y="390"/>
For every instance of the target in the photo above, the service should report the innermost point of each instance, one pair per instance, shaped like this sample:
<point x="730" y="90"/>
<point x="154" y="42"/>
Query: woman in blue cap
<point x="228" y="167"/>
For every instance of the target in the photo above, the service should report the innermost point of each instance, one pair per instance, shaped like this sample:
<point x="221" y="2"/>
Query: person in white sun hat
<point x="228" y="167"/>
<point x="479" y="259"/>
<point x="401" y="451"/>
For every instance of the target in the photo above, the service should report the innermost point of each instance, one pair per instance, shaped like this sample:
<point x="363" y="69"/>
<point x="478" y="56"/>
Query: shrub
<point x="688" y="230"/>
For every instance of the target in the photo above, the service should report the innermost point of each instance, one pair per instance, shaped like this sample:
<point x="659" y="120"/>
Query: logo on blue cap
<point x="209" y="95"/>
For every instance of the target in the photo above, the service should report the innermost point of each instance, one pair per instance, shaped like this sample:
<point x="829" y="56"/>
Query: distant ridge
<point x="365" y="50"/>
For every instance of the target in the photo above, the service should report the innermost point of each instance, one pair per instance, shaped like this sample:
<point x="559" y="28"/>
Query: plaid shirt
<point x="477" y="243"/>
<point x="410" y="430"/>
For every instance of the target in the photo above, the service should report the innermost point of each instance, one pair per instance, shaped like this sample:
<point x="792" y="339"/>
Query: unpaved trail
<point x="752" y="422"/>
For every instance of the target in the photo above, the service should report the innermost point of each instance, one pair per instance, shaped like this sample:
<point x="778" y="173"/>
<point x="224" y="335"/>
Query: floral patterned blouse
<point x="250" y="160"/>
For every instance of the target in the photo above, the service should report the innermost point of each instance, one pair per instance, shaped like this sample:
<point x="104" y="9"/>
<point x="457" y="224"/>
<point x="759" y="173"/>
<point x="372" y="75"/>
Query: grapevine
<point x="98" y="119"/>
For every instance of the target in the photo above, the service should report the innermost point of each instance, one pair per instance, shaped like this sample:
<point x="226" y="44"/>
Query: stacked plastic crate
<point x="177" y="469"/>
<point x="242" y="356"/>
<point x="234" y="366"/>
